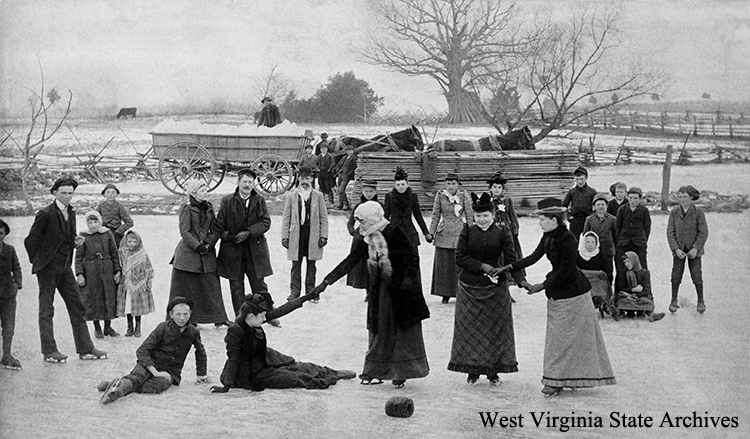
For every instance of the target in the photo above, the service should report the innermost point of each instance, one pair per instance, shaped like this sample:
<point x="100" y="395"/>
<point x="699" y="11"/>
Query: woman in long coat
<point x="98" y="270"/>
<point x="194" y="271"/>
<point x="483" y="338"/>
<point x="395" y="304"/>
<point x="401" y="204"/>
<point x="358" y="276"/>
<point x="574" y="351"/>
<point x="452" y="209"/>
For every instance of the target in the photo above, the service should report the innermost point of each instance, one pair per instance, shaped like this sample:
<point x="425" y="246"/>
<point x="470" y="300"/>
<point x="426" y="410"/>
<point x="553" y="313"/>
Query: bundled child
<point x="579" y="200"/>
<point x="10" y="283"/>
<point x="98" y="272"/>
<point x="115" y="216"/>
<point x="634" y="290"/>
<point x="598" y="270"/>
<point x="620" y="192"/>
<point x="136" y="280"/>
<point x="161" y="356"/>
<point x="252" y="365"/>
<point x="633" y="230"/>
<point x="687" y="232"/>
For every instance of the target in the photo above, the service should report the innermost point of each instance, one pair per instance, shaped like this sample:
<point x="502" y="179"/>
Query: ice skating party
<point x="374" y="218"/>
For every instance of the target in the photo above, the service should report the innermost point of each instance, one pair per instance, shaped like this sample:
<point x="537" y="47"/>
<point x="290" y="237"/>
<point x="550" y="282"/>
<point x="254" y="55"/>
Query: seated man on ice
<point x="254" y="366"/>
<point x="162" y="356"/>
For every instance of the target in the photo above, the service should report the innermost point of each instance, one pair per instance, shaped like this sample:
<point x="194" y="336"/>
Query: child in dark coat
<point x="252" y="365"/>
<point x="115" y="216"/>
<point x="10" y="283"/>
<point x="162" y="356"/>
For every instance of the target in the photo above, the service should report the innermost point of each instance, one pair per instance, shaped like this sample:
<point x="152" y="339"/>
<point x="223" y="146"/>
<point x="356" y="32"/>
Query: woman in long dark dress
<point x="357" y="277"/>
<point x="401" y="204"/>
<point x="483" y="338"/>
<point x="574" y="350"/>
<point x="194" y="274"/>
<point x="395" y="303"/>
<point x="451" y="210"/>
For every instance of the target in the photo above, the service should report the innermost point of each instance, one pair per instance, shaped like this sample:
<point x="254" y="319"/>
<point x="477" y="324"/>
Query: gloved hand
<point x="285" y="243"/>
<point x="428" y="238"/>
<point x="322" y="242"/>
<point x="203" y="248"/>
<point x="219" y="389"/>
<point x="487" y="268"/>
<point x="315" y="293"/>
<point x="527" y="286"/>
<point x="241" y="236"/>
<point x="536" y="288"/>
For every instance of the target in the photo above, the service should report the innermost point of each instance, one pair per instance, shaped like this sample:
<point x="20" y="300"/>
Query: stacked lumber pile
<point x="532" y="175"/>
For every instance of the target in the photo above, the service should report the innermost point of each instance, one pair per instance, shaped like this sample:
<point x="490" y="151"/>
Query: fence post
<point x="648" y="120"/>
<point x="713" y="127"/>
<point x="695" y="126"/>
<point x="663" y="121"/>
<point x="632" y="123"/>
<point x="731" y="133"/>
<point x="665" y="177"/>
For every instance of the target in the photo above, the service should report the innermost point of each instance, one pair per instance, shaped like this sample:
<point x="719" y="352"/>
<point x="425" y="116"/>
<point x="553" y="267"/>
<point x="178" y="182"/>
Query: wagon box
<point x="208" y="157"/>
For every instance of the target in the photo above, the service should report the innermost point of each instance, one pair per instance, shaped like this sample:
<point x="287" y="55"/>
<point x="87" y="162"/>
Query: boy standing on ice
<point x="10" y="283"/>
<point x="579" y="201"/>
<point x="115" y="216"/>
<point x="162" y="356"/>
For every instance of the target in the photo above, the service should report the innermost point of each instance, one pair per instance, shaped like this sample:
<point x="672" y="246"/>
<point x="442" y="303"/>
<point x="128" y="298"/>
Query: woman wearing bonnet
<point x="395" y="303"/>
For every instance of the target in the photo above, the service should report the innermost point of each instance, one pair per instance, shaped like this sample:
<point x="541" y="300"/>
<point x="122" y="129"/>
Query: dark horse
<point x="515" y="140"/>
<point x="125" y="112"/>
<point x="409" y="139"/>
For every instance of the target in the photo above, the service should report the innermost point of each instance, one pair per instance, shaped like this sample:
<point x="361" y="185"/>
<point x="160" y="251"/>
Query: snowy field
<point x="683" y="364"/>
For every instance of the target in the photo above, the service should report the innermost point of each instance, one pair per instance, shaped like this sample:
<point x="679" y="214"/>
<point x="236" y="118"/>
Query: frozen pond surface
<point x="684" y="363"/>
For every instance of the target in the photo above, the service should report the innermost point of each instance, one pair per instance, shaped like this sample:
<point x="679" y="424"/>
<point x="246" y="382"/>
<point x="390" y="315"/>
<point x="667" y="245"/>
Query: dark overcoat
<point x="234" y="218"/>
<point x="399" y="209"/>
<point x="46" y="235"/>
<point x="565" y="280"/>
<point x="195" y="230"/>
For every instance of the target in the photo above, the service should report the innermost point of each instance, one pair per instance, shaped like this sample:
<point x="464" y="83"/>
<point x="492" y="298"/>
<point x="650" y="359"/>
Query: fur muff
<point x="399" y="407"/>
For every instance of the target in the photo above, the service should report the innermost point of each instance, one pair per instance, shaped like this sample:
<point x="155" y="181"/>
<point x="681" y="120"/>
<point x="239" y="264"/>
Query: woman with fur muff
<point x="395" y="303"/>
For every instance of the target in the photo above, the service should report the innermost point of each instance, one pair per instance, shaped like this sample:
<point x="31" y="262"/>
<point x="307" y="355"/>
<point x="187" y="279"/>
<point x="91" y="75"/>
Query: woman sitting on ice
<point x="634" y="292"/>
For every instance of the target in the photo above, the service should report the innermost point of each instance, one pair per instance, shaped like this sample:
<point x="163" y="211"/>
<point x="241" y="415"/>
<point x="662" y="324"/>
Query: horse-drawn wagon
<point x="208" y="155"/>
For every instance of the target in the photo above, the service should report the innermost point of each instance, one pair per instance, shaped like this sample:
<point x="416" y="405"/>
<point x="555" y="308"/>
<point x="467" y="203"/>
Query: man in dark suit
<point x="50" y="245"/>
<point x="345" y="171"/>
<point x="269" y="115"/>
<point x="244" y="219"/>
<point x="633" y="229"/>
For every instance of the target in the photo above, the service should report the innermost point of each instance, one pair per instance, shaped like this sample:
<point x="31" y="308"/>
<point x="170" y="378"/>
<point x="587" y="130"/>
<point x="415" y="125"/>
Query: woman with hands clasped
<point x="574" y="351"/>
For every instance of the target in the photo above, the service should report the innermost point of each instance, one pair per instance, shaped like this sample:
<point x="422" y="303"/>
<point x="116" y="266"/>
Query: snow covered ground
<point x="683" y="364"/>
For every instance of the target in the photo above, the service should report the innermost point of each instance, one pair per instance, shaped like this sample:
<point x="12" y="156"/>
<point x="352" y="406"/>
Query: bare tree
<point x="270" y="83"/>
<point x="455" y="42"/>
<point x="574" y="72"/>
<point x="41" y="128"/>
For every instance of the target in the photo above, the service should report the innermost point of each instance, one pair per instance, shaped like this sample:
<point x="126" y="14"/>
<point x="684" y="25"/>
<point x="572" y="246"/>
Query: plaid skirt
<point x="483" y="338"/>
<point x="574" y="350"/>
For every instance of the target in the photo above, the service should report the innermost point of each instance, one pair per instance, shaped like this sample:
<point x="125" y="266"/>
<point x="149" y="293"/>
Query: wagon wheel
<point x="275" y="175"/>
<point x="183" y="161"/>
<point x="218" y="177"/>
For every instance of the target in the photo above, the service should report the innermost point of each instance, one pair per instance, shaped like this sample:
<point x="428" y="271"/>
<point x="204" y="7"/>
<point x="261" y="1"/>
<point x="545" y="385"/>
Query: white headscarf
<point x="98" y="216"/>
<point x="585" y="254"/>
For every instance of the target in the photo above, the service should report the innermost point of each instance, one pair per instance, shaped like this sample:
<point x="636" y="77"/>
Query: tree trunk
<point x="463" y="107"/>
<point x="25" y="184"/>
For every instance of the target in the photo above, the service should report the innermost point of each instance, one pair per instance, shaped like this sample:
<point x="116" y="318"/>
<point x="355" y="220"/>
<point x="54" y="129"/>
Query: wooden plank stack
<point x="532" y="175"/>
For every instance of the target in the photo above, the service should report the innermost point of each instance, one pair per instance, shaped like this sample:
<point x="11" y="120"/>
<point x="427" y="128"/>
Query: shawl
<point x="455" y="201"/>
<point x="378" y="250"/>
<point x="304" y="195"/>
<point x="636" y="263"/>
<point x="137" y="270"/>
<point x="202" y="206"/>
<point x="585" y="254"/>
<point x="102" y="229"/>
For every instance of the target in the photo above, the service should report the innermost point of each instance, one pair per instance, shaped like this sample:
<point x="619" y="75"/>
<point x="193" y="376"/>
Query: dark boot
<point x="129" y="332"/>
<point x="108" y="329"/>
<point x="673" y="305"/>
<point x="701" y="307"/>
<point x="137" y="331"/>
<point x="98" y="330"/>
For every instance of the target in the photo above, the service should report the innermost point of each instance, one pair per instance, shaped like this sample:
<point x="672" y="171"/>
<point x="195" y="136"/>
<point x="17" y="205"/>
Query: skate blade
<point x="55" y="360"/>
<point x="5" y="366"/>
<point x="91" y="357"/>
<point x="111" y="393"/>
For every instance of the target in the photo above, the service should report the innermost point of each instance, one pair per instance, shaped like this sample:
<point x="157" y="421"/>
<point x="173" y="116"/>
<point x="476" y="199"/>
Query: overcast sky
<point x="152" y="54"/>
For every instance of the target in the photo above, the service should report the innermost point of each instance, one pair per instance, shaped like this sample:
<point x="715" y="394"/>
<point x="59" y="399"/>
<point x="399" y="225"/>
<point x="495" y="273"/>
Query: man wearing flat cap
<point x="304" y="231"/>
<point x="115" y="216"/>
<point x="579" y="201"/>
<point x="687" y="232"/>
<point x="50" y="245"/>
<point x="162" y="355"/>
<point x="269" y="115"/>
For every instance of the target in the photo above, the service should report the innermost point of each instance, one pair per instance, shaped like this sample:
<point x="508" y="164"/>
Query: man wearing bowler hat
<point x="269" y="115"/>
<point x="50" y="245"/>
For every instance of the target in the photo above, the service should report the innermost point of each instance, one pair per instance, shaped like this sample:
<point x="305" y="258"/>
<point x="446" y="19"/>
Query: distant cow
<point x="125" y="112"/>
<point x="515" y="140"/>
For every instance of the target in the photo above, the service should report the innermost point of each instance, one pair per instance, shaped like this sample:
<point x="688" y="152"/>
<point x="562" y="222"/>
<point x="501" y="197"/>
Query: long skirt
<point x="204" y="290"/>
<point x="445" y="273"/>
<point x="483" y="338"/>
<point x="574" y="351"/>
<point x="394" y="352"/>
<point x="358" y="277"/>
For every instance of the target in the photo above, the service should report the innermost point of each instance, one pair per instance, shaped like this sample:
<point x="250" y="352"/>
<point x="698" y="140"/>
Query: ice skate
<point x="551" y="391"/>
<point x="399" y="384"/>
<point x="112" y="393"/>
<point x="56" y="357"/>
<point x="701" y="307"/>
<point x="673" y="306"/>
<point x="8" y="362"/>
<point x="495" y="380"/>
<point x="472" y="379"/>
<point x="94" y="354"/>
